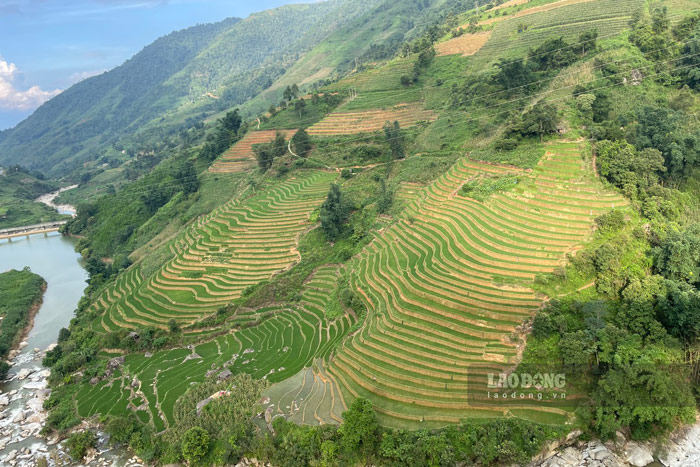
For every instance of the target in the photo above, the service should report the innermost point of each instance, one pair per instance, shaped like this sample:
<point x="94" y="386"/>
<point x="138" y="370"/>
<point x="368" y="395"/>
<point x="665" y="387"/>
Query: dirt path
<point x="595" y="164"/>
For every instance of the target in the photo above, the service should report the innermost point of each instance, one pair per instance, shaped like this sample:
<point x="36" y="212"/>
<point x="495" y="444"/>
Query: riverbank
<point x="14" y="351"/>
<point x="49" y="198"/>
<point x="681" y="449"/>
<point x="21" y="297"/>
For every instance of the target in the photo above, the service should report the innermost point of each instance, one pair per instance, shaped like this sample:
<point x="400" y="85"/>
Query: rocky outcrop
<point x="683" y="450"/>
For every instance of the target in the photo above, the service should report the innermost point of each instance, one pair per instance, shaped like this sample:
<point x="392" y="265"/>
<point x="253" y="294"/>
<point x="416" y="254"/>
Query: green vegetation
<point x="482" y="188"/>
<point x="334" y="213"/>
<point x="18" y="190"/>
<point x="80" y="443"/>
<point x="361" y="293"/>
<point x="634" y="329"/>
<point x="20" y="293"/>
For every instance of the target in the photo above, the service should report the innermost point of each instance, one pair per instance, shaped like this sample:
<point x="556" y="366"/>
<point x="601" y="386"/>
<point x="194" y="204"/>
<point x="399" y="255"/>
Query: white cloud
<point x="81" y="75"/>
<point x="16" y="99"/>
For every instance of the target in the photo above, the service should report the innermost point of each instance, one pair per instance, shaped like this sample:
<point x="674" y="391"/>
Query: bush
<point x="611" y="221"/>
<point x="506" y="144"/>
<point x="79" y="443"/>
<point x="195" y="444"/>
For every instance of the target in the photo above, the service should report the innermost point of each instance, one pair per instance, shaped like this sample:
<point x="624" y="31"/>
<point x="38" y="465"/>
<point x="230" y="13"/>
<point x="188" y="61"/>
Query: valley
<point x="364" y="259"/>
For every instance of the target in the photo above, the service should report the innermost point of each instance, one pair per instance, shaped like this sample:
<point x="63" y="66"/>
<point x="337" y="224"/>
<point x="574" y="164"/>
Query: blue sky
<point x="47" y="45"/>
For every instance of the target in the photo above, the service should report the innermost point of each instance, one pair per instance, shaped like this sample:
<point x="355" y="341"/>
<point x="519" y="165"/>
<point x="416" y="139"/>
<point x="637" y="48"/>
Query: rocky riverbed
<point x="22" y="417"/>
<point x="49" y="198"/>
<point x="681" y="450"/>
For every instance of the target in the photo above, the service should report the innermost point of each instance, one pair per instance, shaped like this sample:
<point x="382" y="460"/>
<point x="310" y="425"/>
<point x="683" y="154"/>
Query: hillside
<point x="18" y="190"/>
<point x="198" y="71"/>
<point x="511" y="192"/>
<point x="201" y="71"/>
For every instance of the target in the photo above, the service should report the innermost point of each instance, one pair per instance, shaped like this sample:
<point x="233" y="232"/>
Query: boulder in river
<point x="19" y="418"/>
<point x="637" y="455"/>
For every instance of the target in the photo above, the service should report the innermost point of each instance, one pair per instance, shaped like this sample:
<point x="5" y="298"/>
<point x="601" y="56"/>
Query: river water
<point x="53" y="257"/>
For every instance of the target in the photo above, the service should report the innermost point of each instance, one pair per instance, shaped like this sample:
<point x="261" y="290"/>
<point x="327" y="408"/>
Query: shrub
<point x="79" y="443"/>
<point x="611" y="221"/>
<point x="195" y="444"/>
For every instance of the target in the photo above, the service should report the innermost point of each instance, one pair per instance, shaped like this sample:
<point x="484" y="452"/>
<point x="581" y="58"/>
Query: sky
<point x="48" y="45"/>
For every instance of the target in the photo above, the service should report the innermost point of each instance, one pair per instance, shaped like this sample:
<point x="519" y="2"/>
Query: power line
<point x="460" y="79"/>
<point x="537" y="96"/>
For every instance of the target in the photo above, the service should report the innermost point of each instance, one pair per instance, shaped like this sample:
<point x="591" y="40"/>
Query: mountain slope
<point x="70" y="124"/>
<point x="206" y="68"/>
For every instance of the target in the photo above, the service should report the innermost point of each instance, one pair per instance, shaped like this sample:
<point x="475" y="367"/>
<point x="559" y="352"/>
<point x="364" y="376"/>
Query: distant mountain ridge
<point x="233" y="60"/>
<point x="189" y="75"/>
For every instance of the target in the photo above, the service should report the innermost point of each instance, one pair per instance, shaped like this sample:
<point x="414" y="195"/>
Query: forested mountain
<point x="189" y="75"/>
<point x="62" y="133"/>
<point x="205" y="68"/>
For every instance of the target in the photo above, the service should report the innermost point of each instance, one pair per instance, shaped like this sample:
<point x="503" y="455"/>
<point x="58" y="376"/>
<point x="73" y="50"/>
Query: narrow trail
<point x="595" y="164"/>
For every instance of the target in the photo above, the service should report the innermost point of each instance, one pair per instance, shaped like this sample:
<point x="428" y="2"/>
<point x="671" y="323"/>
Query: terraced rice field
<point x="274" y="343"/>
<point x="465" y="45"/>
<point x="236" y="246"/>
<point x="342" y="123"/>
<point x="528" y="11"/>
<point x="240" y="156"/>
<point x="310" y="397"/>
<point x="447" y="286"/>
<point x="386" y="77"/>
<point x="567" y="18"/>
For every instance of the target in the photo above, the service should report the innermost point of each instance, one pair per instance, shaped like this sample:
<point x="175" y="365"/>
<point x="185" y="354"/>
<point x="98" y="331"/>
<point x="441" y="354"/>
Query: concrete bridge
<point x="28" y="230"/>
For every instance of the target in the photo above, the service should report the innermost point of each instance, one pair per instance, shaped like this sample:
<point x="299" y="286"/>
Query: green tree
<point x="173" y="327"/>
<point x="622" y="165"/>
<point x="120" y="429"/>
<point x="299" y="106"/>
<point x="395" y="139"/>
<point x="513" y="76"/>
<point x="264" y="156"/>
<point x="195" y="444"/>
<point x="301" y="143"/>
<point x="360" y="430"/>
<point x="386" y="197"/>
<point x="640" y="389"/>
<point x="678" y="310"/>
<point x="663" y="129"/>
<point x="541" y="120"/>
<point x="553" y="54"/>
<point x="266" y="153"/>
<point x="586" y="42"/>
<point x="334" y="213"/>
<point x="678" y="257"/>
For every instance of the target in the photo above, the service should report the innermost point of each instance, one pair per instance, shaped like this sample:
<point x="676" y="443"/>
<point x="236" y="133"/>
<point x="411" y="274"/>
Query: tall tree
<point x="334" y="213"/>
<point x="360" y="430"/>
<point x="301" y="142"/>
<point x="392" y="132"/>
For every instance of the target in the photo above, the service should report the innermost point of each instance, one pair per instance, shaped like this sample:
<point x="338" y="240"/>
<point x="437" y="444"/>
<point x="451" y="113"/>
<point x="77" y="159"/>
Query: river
<point x="49" y="198"/>
<point x="53" y="257"/>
